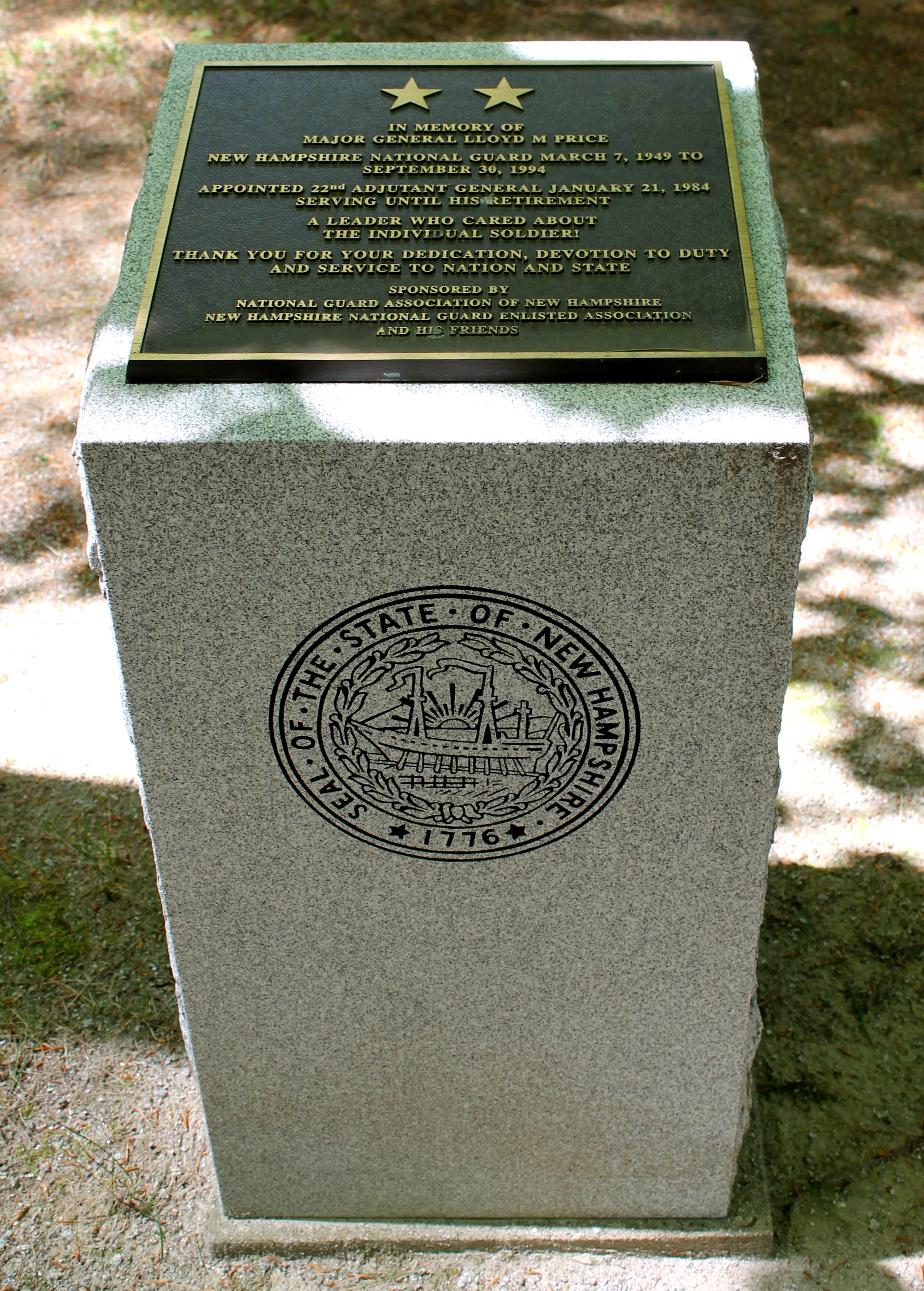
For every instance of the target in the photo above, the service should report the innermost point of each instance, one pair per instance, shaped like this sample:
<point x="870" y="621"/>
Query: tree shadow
<point x="859" y="640"/>
<point x="841" y="988"/>
<point x="52" y="540"/>
<point x="822" y="330"/>
<point x="850" y="438"/>
<point x="864" y="640"/>
<point x="56" y="522"/>
<point x="82" y="947"/>
<point x="878" y="755"/>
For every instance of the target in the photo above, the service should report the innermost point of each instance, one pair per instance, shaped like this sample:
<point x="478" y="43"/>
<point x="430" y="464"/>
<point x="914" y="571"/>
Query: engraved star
<point x="410" y="93"/>
<point x="516" y="831"/>
<point x="397" y="831"/>
<point x="504" y="92"/>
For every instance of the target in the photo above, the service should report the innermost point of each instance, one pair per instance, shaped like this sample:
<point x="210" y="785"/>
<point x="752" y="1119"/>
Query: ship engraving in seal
<point x="454" y="723"/>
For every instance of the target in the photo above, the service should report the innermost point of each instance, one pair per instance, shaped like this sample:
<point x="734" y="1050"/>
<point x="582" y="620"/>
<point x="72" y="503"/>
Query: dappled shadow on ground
<point x="59" y="523"/>
<point x="877" y="754"/>
<point x="82" y="947"/>
<point x="42" y="528"/>
<point x="860" y="627"/>
<point x="852" y="445"/>
<point x="832" y="658"/>
<point x="841" y="985"/>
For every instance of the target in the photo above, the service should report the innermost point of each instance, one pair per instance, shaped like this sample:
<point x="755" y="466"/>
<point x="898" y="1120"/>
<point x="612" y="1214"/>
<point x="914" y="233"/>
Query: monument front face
<point x="456" y="716"/>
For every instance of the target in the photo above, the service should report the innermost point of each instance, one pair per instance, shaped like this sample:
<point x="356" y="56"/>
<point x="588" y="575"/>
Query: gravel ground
<point x="112" y="1176"/>
<point x="106" y="1175"/>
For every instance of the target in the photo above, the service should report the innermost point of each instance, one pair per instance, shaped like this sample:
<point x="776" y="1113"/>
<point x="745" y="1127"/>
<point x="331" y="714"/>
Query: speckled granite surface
<point x="564" y="1032"/>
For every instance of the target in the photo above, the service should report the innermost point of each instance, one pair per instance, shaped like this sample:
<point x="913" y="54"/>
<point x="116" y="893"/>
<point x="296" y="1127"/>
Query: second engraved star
<point x="504" y="92"/>
<point x="410" y="93"/>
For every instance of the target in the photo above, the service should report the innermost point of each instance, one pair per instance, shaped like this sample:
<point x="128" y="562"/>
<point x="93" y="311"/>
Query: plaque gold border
<point x="137" y="354"/>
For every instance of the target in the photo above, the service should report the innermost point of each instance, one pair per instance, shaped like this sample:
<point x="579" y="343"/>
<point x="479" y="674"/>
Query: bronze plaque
<point x="452" y="221"/>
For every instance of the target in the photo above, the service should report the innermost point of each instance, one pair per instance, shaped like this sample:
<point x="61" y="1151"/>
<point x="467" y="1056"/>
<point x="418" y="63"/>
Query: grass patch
<point x="82" y="945"/>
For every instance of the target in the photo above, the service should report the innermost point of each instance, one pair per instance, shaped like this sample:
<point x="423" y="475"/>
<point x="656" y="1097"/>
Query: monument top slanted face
<point x="398" y="220"/>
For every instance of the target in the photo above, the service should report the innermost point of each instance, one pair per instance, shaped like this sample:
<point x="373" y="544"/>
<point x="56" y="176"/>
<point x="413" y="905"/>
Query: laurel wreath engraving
<point x="382" y="787"/>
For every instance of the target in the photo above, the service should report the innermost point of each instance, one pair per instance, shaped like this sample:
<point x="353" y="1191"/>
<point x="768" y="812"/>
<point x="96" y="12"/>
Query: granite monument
<point x="456" y="705"/>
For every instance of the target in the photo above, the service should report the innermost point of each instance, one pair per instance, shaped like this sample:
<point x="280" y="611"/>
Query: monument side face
<point x="456" y="714"/>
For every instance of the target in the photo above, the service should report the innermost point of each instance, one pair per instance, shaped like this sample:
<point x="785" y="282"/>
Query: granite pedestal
<point x="311" y="587"/>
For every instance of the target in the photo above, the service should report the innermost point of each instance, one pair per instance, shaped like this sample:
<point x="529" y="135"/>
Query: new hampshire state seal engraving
<point x="454" y="723"/>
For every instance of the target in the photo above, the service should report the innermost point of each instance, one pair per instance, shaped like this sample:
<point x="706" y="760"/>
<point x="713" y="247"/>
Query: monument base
<point x="746" y="1230"/>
